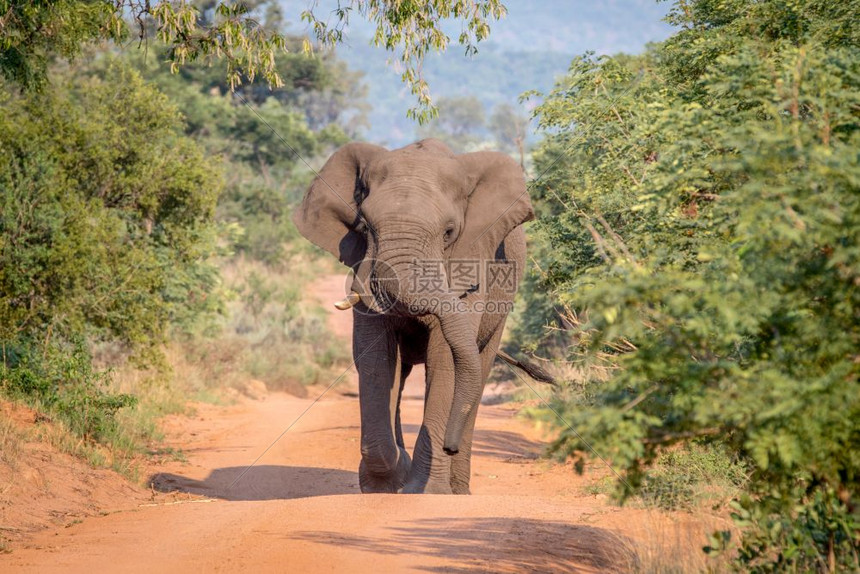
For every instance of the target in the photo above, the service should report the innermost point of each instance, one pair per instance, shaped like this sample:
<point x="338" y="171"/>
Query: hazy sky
<point x="551" y="31"/>
<point x="571" y="26"/>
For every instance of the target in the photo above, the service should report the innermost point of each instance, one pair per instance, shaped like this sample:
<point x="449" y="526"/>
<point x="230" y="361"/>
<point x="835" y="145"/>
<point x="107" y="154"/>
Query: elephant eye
<point x="449" y="234"/>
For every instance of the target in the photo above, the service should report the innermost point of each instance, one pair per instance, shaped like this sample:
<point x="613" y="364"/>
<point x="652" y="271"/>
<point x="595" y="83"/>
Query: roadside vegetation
<point x="147" y="257"/>
<point x="697" y="243"/>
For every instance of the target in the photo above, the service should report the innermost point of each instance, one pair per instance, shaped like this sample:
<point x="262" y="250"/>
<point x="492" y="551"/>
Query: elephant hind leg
<point x="405" y="369"/>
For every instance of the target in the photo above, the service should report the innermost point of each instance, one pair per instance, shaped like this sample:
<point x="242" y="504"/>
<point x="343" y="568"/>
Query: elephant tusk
<point x="348" y="302"/>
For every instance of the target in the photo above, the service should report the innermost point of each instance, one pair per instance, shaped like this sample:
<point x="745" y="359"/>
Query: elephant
<point x="436" y="245"/>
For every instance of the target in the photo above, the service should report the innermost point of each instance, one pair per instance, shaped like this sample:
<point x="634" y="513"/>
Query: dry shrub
<point x="677" y="545"/>
<point x="10" y="440"/>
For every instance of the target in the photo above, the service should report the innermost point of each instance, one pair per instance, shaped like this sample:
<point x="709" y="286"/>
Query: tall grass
<point x="272" y="331"/>
<point x="61" y="383"/>
<point x="674" y="544"/>
<point x="10" y="441"/>
<point x="694" y="476"/>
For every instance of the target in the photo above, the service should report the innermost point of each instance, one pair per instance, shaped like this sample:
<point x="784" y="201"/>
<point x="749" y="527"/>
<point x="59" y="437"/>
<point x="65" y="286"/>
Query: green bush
<point x="106" y="229"/>
<point x="286" y="338"/>
<point x="63" y="383"/>
<point x="105" y="216"/>
<point x="693" y="476"/>
<point x="701" y="214"/>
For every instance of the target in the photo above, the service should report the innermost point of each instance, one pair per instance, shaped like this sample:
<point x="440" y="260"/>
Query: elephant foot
<point x="385" y="483"/>
<point x="459" y="488"/>
<point x="460" y="478"/>
<point x="426" y="487"/>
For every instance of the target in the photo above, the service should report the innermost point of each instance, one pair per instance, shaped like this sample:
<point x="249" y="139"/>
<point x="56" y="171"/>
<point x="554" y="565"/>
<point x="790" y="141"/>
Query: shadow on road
<point x="263" y="482"/>
<point x="505" y="445"/>
<point x="496" y="544"/>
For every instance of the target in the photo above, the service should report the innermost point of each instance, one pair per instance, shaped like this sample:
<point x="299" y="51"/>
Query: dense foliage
<point x="246" y="36"/>
<point x="105" y="215"/>
<point x="701" y="225"/>
<point x="112" y="170"/>
<point x="106" y="226"/>
<point x="261" y="136"/>
<point x="35" y="32"/>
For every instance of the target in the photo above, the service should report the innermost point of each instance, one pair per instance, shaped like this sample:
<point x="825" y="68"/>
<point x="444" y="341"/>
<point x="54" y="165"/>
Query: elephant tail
<point x="531" y="369"/>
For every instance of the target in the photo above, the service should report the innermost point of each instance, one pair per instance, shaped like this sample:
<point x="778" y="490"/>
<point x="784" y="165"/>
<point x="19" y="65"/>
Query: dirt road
<point x="298" y="509"/>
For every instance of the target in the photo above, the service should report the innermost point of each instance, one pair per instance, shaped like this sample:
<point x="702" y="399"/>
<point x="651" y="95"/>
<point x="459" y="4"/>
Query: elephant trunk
<point x="460" y="336"/>
<point x="421" y="292"/>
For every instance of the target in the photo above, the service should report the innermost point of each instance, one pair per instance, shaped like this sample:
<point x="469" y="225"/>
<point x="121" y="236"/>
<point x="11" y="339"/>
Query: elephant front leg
<point x="431" y="466"/>
<point x="384" y="462"/>
<point x="461" y="463"/>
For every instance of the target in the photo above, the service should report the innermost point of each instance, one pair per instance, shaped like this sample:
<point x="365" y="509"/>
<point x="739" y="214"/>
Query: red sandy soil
<point x="299" y="509"/>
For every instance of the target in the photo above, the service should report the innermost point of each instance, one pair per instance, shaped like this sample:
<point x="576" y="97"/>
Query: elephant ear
<point x="498" y="203"/>
<point x="329" y="212"/>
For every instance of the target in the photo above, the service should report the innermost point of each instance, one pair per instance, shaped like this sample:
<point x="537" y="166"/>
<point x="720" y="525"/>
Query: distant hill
<point x="526" y="50"/>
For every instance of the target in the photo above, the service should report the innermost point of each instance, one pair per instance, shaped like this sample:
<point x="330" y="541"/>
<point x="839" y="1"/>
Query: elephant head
<point x="382" y="211"/>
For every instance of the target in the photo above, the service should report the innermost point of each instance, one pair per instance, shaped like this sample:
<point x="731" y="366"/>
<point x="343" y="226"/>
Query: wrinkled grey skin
<point x="380" y="212"/>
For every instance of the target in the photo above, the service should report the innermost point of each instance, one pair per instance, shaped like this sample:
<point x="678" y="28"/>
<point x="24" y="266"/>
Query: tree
<point x="460" y="124"/>
<point x="341" y="100"/>
<point x="231" y="32"/>
<point x="109" y="211"/>
<point x="701" y="213"/>
<point x="35" y="32"/>
<point x="104" y="230"/>
<point x="509" y="129"/>
<point x="414" y="28"/>
<point x="254" y="131"/>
